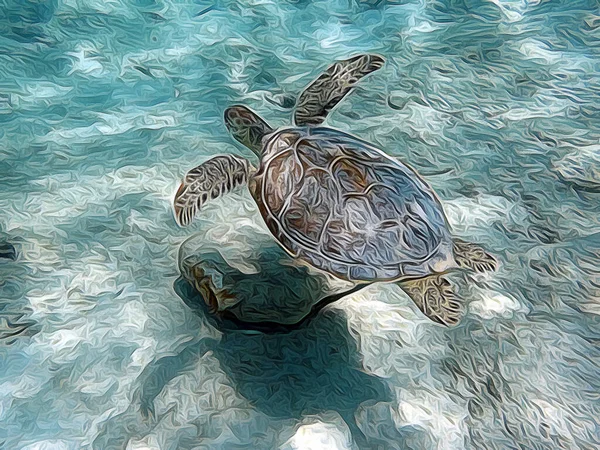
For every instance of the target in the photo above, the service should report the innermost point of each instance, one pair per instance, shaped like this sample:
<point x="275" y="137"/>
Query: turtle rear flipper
<point x="247" y="127"/>
<point x="435" y="298"/>
<point x="473" y="257"/>
<point x="208" y="181"/>
<point x="332" y="86"/>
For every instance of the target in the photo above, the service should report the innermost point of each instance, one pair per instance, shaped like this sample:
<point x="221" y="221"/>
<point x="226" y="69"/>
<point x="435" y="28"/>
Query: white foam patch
<point x="85" y="61"/>
<point x="52" y="444"/>
<point x="537" y="50"/>
<point x="61" y="343"/>
<point x="375" y="315"/>
<point x="57" y="301"/>
<point x="416" y="18"/>
<point x="118" y="122"/>
<point x="467" y="213"/>
<point x="98" y="6"/>
<point x="551" y="109"/>
<point x="319" y="436"/>
<point x="333" y="35"/>
<point x="38" y="251"/>
<point x="26" y="386"/>
<point x="582" y="165"/>
<point x="391" y="329"/>
<point x="149" y="442"/>
<point x="554" y="417"/>
<point x="238" y="77"/>
<point x="442" y="418"/>
<point x="45" y="90"/>
<point x="491" y="305"/>
<point x="592" y="306"/>
<point x="420" y="121"/>
<point x="97" y="277"/>
<point x="40" y="92"/>
<point x="139" y="221"/>
<point x="512" y="10"/>
<point x="425" y="26"/>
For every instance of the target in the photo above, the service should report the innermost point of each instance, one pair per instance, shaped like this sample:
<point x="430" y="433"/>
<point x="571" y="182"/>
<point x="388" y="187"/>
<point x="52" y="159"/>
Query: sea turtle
<point x="337" y="202"/>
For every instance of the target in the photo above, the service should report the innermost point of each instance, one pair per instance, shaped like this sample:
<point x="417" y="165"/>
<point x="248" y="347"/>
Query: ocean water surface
<point x="105" y="104"/>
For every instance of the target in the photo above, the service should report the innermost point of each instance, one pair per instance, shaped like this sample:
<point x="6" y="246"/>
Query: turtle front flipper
<point x="473" y="257"/>
<point x="332" y="86"/>
<point x="207" y="181"/>
<point x="247" y="127"/>
<point x="435" y="298"/>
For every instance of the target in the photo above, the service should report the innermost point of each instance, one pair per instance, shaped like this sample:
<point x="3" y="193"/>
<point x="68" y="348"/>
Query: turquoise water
<point x="104" y="105"/>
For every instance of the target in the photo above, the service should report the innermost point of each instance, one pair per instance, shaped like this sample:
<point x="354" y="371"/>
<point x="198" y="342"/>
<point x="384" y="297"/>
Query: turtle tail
<point x="247" y="127"/>
<point x="208" y="181"/>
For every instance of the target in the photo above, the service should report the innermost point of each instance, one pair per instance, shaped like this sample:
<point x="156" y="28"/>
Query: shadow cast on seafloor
<point x="288" y="372"/>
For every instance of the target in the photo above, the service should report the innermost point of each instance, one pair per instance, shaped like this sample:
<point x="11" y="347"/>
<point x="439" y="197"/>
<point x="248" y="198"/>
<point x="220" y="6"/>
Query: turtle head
<point x="246" y="127"/>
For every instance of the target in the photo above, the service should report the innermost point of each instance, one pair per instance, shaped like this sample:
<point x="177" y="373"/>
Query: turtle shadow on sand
<point x="312" y="368"/>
